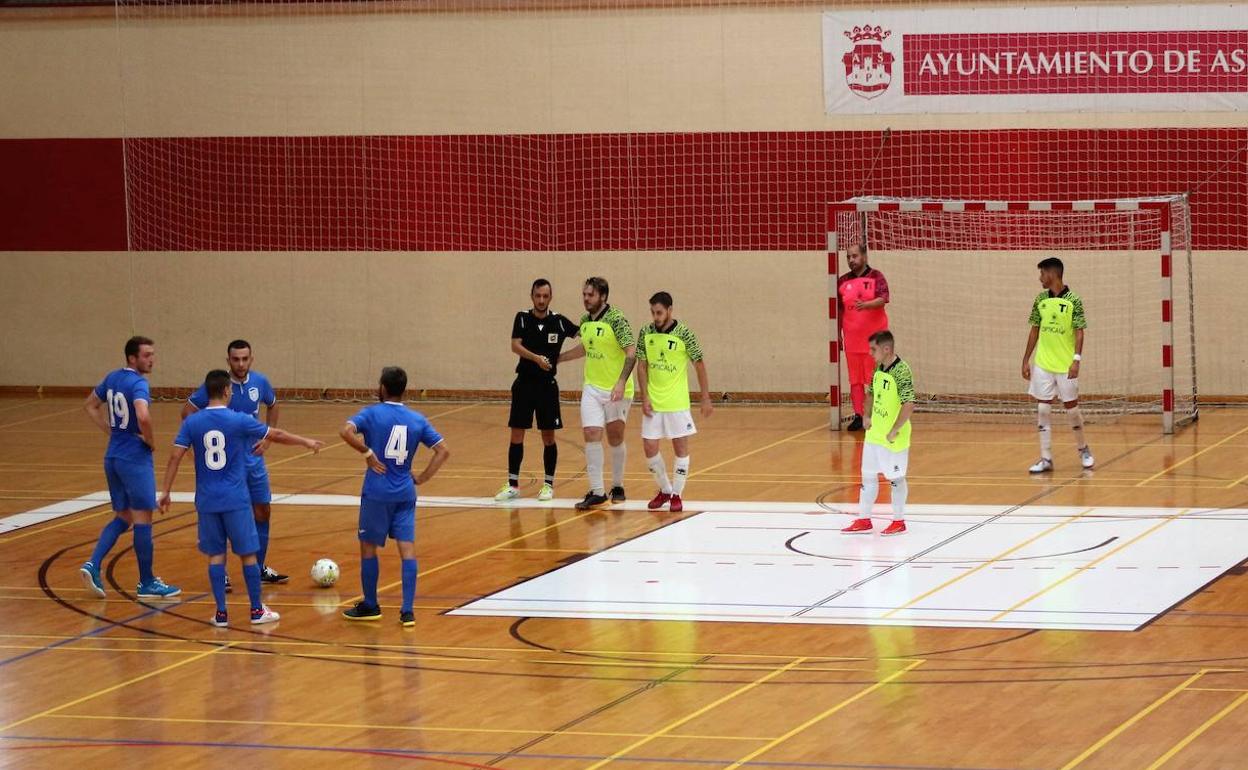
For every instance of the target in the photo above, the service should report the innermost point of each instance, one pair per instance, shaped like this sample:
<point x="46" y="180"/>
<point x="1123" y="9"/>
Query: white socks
<point x="1075" y="415"/>
<point x="901" y="490"/>
<point x="682" y="475"/>
<point x="593" y="466"/>
<point x="618" y="455"/>
<point x="1044" y="419"/>
<point x="866" y="499"/>
<point x="658" y="469"/>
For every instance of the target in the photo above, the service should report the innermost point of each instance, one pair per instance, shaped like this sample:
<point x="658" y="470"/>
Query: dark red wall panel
<point x="62" y="195"/>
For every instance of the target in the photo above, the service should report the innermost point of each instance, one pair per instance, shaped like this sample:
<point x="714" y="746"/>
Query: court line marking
<point x="986" y="564"/>
<point x="756" y="450"/>
<point x="1237" y="482"/>
<point x="662" y="731"/>
<point x="404" y="728"/>
<point x="40" y="417"/>
<point x="11" y="407"/>
<point x="115" y="687"/>
<point x="1194" y="734"/>
<point x="1216" y="689"/>
<point x="824" y="715"/>
<point x="1087" y="567"/>
<point x="1193" y="456"/>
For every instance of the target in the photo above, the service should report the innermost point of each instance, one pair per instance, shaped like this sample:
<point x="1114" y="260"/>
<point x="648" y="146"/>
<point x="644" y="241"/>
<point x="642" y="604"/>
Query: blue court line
<point x="418" y="753"/>
<point x="86" y="634"/>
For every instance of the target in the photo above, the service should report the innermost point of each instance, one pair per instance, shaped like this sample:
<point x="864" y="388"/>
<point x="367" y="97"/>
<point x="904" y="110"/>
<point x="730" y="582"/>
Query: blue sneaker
<point x="157" y="589"/>
<point x="91" y="579"/>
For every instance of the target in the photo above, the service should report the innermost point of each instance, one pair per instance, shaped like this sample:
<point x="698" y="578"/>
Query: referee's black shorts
<point x="534" y="397"/>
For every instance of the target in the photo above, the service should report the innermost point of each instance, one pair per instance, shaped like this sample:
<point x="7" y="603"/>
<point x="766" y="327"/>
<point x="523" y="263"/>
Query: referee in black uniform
<point x="537" y="336"/>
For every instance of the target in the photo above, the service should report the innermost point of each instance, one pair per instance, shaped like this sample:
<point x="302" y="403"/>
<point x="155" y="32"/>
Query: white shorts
<point x="880" y="459"/>
<point x="667" y="425"/>
<point x="597" y="408"/>
<point x="1045" y="384"/>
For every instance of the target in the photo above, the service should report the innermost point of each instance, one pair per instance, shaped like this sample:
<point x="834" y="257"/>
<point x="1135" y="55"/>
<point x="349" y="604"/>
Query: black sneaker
<point x="363" y="611"/>
<point x="270" y="575"/>
<point x="407" y="619"/>
<point x="617" y="495"/>
<point x="591" y="501"/>
<point x="855" y="424"/>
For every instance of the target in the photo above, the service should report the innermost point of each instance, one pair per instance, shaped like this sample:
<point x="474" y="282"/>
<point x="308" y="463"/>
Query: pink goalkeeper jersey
<point x="858" y="325"/>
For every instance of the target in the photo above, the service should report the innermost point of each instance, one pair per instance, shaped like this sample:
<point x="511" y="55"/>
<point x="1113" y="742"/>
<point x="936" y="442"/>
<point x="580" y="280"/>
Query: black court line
<point x="789" y="545"/>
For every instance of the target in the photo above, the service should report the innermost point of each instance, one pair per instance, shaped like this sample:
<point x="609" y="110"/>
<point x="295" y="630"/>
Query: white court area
<point x="1044" y="567"/>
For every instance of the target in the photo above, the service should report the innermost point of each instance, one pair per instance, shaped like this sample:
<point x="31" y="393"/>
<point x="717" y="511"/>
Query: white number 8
<point x="214" y="450"/>
<point x="396" y="445"/>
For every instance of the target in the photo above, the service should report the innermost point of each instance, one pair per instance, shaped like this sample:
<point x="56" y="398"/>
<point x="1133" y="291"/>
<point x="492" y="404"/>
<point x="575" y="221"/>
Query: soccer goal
<point x="963" y="277"/>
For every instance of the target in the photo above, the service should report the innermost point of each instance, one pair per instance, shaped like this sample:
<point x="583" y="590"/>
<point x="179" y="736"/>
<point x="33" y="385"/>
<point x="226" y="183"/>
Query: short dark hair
<point x="134" y="343"/>
<point x="217" y="383"/>
<point x="237" y="345"/>
<point x="662" y="298"/>
<point x="1052" y="263"/>
<point x="884" y="337"/>
<point x="599" y="285"/>
<point x="394" y="381"/>
<point x="539" y="283"/>
<point x="862" y="247"/>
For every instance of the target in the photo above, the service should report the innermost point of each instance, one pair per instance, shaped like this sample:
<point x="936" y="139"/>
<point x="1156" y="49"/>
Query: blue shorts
<point x="238" y="526"/>
<point x="377" y="520"/>
<point x="258" y="481"/>
<point x="131" y="485"/>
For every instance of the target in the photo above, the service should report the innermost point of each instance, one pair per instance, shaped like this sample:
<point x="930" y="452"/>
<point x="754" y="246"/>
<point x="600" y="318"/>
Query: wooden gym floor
<point x="115" y="682"/>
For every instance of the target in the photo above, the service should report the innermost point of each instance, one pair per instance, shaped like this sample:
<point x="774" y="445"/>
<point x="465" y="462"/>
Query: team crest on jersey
<point x="868" y="67"/>
<point x="552" y="338"/>
<point x="254" y="393"/>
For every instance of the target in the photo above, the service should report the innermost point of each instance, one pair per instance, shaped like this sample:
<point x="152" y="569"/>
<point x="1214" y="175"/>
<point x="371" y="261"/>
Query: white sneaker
<point x="508" y="492"/>
<point x="1043" y="465"/>
<point x="547" y="494"/>
<point x="1085" y="457"/>
<point x="267" y="616"/>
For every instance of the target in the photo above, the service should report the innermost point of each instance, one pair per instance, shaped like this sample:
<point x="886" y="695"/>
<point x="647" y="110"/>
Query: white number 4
<point x="396" y="445"/>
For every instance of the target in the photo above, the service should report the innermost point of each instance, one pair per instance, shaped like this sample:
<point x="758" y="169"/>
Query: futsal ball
<point x="325" y="572"/>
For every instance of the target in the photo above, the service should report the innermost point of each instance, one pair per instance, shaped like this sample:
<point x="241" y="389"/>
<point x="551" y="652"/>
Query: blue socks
<point x="251" y="574"/>
<point x="108" y="538"/>
<point x="143" y="551"/>
<point x="409" y="584"/>
<point x="262" y="529"/>
<point x="370" y="570"/>
<point x="216" y="579"/>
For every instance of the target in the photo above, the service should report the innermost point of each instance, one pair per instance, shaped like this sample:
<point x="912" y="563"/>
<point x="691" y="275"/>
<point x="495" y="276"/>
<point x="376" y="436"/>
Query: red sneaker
<point x="659" y="501"/>
<point x="677" y="506"/>
<point x="858" y="527"/>
<point x="896" y="528"/>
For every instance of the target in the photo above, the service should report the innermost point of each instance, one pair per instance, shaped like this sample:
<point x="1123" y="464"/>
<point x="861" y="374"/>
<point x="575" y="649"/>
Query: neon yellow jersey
<point x="890" y="387"/>
<point x="1057" y="317"/>
<point x="667" y="355"/>
<point x="604" y="340"/>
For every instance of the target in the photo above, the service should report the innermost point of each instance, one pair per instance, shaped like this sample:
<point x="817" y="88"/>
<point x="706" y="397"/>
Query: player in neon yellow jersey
<point x="890" y="402"/>
<point x="1057" y="326"/>
<point x="610" y="353"/>
<point x="664" y="350"/>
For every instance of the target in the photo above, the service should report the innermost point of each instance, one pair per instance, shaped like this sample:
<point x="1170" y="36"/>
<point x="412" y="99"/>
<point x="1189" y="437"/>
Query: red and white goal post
<point x="962" y="277"/>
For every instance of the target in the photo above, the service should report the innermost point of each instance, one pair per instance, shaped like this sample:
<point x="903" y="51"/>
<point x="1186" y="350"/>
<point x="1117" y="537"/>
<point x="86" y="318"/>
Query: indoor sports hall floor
<point x="744" y="632"/>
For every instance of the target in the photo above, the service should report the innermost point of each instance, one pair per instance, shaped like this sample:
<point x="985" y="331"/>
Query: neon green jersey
<point x="890" y="387"/>
<point x="667" y="355"/>
<point x="604" y="339"/>
<point x="1057" y="317"/>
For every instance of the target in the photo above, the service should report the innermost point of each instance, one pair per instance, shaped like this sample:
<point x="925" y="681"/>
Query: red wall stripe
<point x="753" y="191"/>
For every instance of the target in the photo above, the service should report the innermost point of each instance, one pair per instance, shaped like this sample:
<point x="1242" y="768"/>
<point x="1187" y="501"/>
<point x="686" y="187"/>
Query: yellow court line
<point x="1194" y="734"/>
<point x="1237" y="482"/>
<point x="986" y="564"/>
<point x="113" y="688"/>
<point x="670" y="726"/>
<point x="824" y="715"/>
<point x="1193" y="456"/>
<point x="40" y="417"/>
<point x="1120" y="729"/>
<point x="1080" y="570"/>
<point x="756" y="450"/>
<point x="1216" y="689"/>
<point x="39" y="529"/>
<point x="404" y="728"/>
<point x="11" y="407"/>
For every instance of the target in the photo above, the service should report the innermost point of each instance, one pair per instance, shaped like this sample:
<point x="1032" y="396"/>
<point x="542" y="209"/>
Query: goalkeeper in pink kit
<point x="862" y="294"/>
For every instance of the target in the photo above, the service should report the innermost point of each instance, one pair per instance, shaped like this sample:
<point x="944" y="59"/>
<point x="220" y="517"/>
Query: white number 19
<point x="118" y="410"/>
<point x="396" y="445"/>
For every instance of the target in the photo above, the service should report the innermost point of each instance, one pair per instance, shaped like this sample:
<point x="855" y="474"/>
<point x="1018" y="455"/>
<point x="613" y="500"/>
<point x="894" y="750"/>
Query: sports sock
<point x="409" y="584"/>
<point x="262" y="530"/>
<point x="216" y="579"/>
<point x="108" y="538"/>
<point x="550" y="460"/>
<point x="901" y="490"/>
<point x="619" y="455"/>
<point x="593" y="466"/>
<point x="370" y="570"/>
<point x="143" y="549"/>
<point x="858" y="395"/>
<point x="680" y="475"/>
<point x="1075" y="415"/>
<point x="866" y="498"/>
<point x="658" y="469"/>
<point x="251" y="576"/>
<point x="515" y="456"/>
<point x="1044" y="420"/>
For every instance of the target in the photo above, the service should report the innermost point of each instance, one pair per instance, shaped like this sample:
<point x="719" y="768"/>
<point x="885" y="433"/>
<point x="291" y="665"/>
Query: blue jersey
<point x="245" y="396"/>
<point x="221" y="440"/>
<point x="119" y="391"/>
<point x="393" y="432"/>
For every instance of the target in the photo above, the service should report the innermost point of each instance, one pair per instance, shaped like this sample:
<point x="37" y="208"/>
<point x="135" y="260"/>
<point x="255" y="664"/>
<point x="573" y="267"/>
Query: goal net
<point x="963" y="277"/>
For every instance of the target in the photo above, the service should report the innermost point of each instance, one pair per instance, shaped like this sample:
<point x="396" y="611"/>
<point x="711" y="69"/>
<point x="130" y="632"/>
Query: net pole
<point x="1167" y="321"/>
<point x="834" y="322"/>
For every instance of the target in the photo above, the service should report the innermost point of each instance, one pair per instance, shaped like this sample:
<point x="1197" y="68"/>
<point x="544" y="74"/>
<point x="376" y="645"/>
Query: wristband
<point x="369" y="453"/>
<point x="1078" y="357"/>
